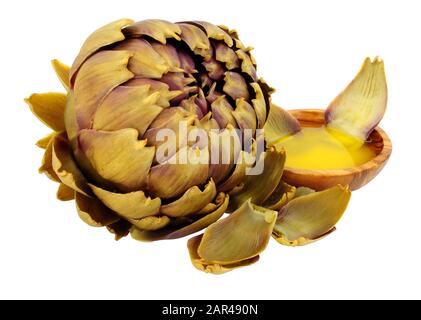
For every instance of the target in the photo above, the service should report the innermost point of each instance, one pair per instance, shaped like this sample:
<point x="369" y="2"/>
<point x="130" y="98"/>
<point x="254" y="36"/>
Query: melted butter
<point x="324" y="148"/>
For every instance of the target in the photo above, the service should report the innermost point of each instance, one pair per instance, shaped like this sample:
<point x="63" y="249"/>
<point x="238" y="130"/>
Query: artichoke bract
<point x="130" y="82"/>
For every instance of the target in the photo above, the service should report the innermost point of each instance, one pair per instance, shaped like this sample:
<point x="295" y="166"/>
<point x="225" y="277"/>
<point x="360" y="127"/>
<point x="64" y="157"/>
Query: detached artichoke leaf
<point x="49" y="108"/>
<point x="198" y="263"/>
<point x="234" y="241"/>
<point x="93" y="212"/>
<point x="132" y="205"/>
<point x="64" y="193"/>
<point x="65" y="167"/>
<point x="213" y="212"/>
<point x="260" y="187"/>
<point x="104" y="36"/>
<point x="311" y="216"/>
<point x="359" y="108"/>
<point x="62" y="72"/>
<point x="279" y="125"/>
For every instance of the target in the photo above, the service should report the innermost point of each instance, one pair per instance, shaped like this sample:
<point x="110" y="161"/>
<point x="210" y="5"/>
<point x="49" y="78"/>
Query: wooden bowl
<point x="355" y="177"/>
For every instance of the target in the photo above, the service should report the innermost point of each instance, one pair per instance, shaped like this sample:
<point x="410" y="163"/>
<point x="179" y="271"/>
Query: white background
<point x="308" y="50"/>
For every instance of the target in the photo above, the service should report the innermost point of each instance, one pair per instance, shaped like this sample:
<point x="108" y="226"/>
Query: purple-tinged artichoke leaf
<point x="187" y="168"/>
<point x="196" y="40"/>
<point x="245" y="116"/>
<point x="225" y="146"/>
<point x="226" y="55"/>
<point x="247" y="64"/>
<point x="235" y="86"/>
<point x="128" y="107"/>
<point x="214" y="68"/>
<point x="107" y="35"/>
<point x="222" y="112"/>
<point x="118" y="156"/>
<point x="146" y="62"/>
<point x="100" y="74"/>
<point x="215" y="32"/>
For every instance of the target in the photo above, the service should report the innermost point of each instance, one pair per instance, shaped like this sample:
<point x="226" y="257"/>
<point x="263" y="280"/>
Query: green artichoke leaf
<point x="279" y="125"/>
<point x="309" y="217"/>
<point x="234" y="241"/>
<point x="260" y="187"/>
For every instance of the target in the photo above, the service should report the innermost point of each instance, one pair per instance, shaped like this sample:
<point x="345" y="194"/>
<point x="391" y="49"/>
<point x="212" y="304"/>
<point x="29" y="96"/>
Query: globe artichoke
<point x="128" y="83"/>
<point x="134" y="83"/>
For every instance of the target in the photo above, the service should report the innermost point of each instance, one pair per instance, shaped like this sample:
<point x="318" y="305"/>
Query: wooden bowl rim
<point x="375" y="162"/>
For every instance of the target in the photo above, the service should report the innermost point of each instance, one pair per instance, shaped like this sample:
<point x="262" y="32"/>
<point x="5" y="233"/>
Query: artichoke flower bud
<point x="156" y="136"/>
<point x="132" y="83"/>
